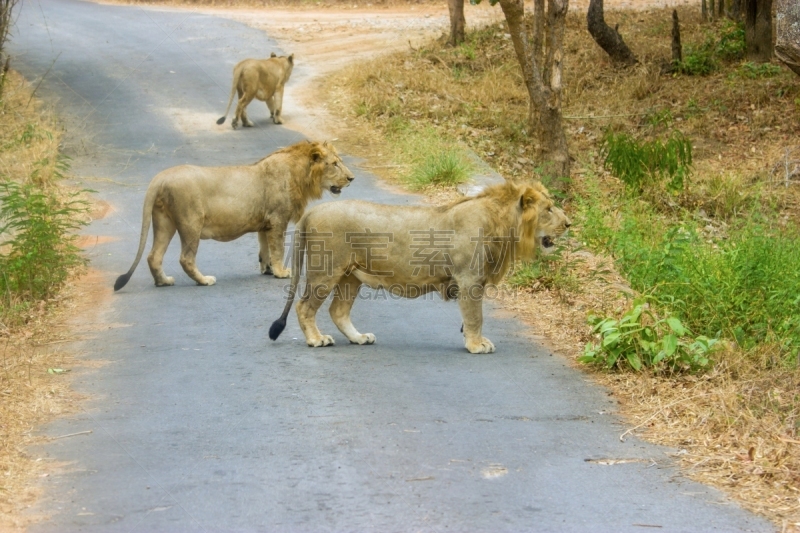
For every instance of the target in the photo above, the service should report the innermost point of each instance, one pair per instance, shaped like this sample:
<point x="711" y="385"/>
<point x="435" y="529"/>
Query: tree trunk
<point x="721" y="8"/>
<point x="457" y="21"/>
<point x="712" y="11"/>
<point x="787" y="21"/>
<point x="608" y="38"/>
<point x="758" y="30"/>
<point x="735" y="12"/>
<point x="703" y="11"/>
<point x="543" y="82"/>
<point x="677" y="49"/>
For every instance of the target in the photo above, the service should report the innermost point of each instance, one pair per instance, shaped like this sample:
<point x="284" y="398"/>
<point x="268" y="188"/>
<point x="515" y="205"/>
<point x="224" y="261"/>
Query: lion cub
<point x="224" y="203"/>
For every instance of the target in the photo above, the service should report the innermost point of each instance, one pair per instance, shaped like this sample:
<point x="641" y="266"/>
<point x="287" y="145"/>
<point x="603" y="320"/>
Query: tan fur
<point x="263" y="79"/>
<point x="224" y="203"/>
<point x="456" y="263"/>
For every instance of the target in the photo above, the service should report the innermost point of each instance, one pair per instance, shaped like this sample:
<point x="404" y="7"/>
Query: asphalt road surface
<point x="200" y="423"/>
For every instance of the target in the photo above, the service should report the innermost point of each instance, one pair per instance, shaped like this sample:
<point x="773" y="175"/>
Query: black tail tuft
<point x="277" y="328"/>
<point x="221" y="120"/>
<point x="121" y="281"/>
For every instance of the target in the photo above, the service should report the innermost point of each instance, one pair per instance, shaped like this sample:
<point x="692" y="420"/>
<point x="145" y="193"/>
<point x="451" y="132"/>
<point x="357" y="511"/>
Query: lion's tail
<point x="298" y="254"/>
<point x="221" y="119"/>
<point x="147" y="214"/>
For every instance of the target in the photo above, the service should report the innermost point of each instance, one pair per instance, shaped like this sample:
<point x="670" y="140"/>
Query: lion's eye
<point x="336" y="163"/>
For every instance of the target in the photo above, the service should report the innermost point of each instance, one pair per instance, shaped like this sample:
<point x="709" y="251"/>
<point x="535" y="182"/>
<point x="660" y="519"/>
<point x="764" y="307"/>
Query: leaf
<point x="610" y="339"/>
<point x="676" y="326"/>
<point x="633" y="359"/>
<point x="670" y="344"/>
<point x="57" y="370"/>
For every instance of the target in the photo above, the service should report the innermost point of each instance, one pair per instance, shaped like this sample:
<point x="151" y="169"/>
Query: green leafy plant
<point x="38" y="225"/>
<point x="756" y="71"/>
<point x="640" y="339"/>
<point x="638" y="163"/>
<point x="731" y="44"/>
<point x="704" y="59"/>
<point x="697" y="62"/>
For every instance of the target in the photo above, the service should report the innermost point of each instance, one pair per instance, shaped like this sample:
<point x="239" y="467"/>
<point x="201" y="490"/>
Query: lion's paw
<point x="284" y="273"/>
<point x="207" y="281"/>
<point x="168" y="281"/>
<point x="366" y="338"/>
<point x="484" y="346"/>
<point x="325" y="340"/>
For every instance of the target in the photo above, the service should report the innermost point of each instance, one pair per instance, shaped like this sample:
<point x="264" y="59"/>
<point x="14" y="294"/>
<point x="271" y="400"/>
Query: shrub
<point x="640" y="339"/>
<point x="39" y="249"/>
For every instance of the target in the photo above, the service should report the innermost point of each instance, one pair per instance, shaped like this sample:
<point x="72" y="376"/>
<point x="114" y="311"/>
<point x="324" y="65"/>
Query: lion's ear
<point x="316" y="153"/>
<point x="291" y="59"/>
<point x="273" y="54"/>
<point x="529" y="199"/>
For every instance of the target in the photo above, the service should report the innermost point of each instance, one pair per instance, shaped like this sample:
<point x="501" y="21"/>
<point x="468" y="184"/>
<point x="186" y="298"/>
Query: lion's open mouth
<point x="547" y="242"/>
<point x="335" y="189"/>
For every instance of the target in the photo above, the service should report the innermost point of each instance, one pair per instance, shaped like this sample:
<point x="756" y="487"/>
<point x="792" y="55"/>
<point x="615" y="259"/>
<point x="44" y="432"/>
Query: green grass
<point x="448" y="167"/>
<point x="648" y="162"/>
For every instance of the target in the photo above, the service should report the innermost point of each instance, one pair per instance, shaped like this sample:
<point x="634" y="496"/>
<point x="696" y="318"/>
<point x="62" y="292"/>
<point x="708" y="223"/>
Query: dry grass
<point x="738" y="426"/>
<point x="29" y="134"/>
<point x="29" y="393"/>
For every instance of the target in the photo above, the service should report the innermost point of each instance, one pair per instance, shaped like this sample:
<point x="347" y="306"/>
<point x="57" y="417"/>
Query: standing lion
<point x="224" y="203"/>
<point x="455" y="250"/>
<point x="263" y="79"/>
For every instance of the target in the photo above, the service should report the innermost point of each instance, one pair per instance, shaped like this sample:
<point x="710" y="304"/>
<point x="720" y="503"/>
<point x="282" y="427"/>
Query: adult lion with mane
<point x="224" y="203"/>
<point x="455" y="250"/>
<point x="263" y="79"/>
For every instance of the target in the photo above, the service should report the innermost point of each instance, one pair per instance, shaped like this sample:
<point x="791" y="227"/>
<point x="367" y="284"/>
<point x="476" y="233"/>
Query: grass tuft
<point x="447" y="168"/>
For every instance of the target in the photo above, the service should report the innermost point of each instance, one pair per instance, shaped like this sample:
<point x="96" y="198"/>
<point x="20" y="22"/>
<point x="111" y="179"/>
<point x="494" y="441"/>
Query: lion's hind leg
<point x="190" y="240"/>
<point x="313" y="297"/>
<point x="163" y="231"/>
<point x="277" y="105"/>
<point x="344" y="295"/>
<point x="245" y="97"/>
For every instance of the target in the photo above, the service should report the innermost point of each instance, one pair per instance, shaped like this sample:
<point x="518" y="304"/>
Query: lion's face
<point x="553" y="223"/>
<point x="543" y="225"/>
<point x="335" y="176"/>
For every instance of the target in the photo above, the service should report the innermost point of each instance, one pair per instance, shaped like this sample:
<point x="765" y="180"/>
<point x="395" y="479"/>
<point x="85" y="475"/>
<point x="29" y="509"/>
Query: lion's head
<point x="329" y="167"/>
<point x="543" y="225"/>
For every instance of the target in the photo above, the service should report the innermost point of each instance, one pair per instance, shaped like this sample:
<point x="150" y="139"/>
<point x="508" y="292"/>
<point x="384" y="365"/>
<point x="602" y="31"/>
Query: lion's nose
<point x="568" y="223"/>
<point x="350" y="178"/>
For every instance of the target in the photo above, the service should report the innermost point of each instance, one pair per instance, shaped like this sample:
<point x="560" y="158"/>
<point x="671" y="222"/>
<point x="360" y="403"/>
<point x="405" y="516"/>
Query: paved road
<point x="200" y="423"/>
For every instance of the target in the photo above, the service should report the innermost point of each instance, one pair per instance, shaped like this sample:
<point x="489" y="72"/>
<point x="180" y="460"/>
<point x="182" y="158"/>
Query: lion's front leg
<point x="307" y="308"/>
<point x="470" y="301"/>
<point x="270" y="254"/>
<point x="264" y="265"/>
